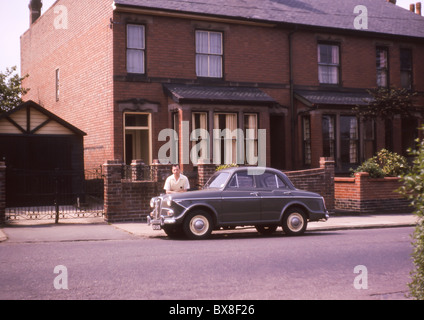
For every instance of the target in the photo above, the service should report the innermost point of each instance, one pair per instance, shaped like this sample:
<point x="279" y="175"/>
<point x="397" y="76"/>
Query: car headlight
<point x="169" y="202"/>
<point x="152" y="203"/>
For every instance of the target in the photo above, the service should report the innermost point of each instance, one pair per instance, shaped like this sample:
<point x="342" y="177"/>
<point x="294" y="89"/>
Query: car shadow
<point x="244" y="234"/>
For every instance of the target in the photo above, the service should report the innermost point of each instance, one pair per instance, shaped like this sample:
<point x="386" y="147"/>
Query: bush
<point x="413" y="189"/>
<point x="384" y="164"/>
<point x="225" y="166"/>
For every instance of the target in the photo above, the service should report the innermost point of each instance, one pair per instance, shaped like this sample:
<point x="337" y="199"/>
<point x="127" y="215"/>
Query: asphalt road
<point x="112" y="264"/>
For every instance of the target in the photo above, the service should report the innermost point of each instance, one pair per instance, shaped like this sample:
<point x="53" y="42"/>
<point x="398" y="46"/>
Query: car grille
<point x="157" y="209"/>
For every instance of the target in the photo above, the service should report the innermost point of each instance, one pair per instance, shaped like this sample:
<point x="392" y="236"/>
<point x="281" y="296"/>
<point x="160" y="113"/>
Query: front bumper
<point x="157" y="224"/>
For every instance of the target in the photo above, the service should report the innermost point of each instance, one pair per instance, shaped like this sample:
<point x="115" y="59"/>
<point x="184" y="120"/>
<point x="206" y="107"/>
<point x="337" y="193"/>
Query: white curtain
<point x="209" y="54"/>
<point x="328" y="63"/>
<point x="135" y="49"/>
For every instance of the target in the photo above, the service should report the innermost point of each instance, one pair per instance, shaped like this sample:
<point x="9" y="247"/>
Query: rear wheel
<point x="294" y="222"/>
<point x="198" y="225"/>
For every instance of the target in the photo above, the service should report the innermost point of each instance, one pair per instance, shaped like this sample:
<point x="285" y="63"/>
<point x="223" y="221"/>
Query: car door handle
<point x="254" y="194"/>
<point x="287" y="193"/>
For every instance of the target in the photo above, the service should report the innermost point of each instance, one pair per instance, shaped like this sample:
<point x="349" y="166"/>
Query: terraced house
<point x="124" y="70"/>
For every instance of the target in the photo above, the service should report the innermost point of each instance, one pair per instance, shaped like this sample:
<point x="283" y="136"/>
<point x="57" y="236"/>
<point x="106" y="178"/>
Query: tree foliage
<point x="413" y="189"/>
<point x="388" y="102"/>
<point x="11" y="90"/>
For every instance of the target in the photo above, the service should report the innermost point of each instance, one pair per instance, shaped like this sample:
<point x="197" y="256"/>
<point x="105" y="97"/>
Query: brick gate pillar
<point x="328" y="165"/>
<point x="113" y="189"/>
<point x="2" y="193"/>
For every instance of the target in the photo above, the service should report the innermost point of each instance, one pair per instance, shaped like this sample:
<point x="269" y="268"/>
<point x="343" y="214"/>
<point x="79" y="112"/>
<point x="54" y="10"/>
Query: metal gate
<point x="38" y="195"/>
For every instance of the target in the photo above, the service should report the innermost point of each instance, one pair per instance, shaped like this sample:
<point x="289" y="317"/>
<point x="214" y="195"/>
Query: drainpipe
<point x="292" y="110"/>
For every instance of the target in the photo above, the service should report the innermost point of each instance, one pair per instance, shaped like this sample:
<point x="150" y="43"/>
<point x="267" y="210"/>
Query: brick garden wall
<point x="364" y="194"/>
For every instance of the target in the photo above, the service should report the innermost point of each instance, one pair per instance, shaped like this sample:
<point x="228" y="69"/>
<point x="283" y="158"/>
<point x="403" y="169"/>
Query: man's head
<point x="176" y="170"/>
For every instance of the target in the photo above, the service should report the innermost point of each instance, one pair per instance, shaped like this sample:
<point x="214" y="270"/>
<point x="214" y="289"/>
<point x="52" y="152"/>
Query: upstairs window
<point x="406" y="68"/>
<point x="135" y="48"/>
<point x="209" y="51"/>
<point x="328" y="63"/>
<point x="382" y="67"/>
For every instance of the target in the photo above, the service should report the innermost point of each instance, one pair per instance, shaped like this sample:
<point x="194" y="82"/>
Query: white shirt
<point x="182" y="184"/>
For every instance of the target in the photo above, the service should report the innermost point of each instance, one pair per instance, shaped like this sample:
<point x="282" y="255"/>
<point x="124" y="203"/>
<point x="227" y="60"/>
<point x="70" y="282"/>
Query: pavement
<point x="43" y="229"/>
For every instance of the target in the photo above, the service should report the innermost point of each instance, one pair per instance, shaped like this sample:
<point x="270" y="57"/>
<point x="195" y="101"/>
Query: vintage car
<point x="260" y="197"/>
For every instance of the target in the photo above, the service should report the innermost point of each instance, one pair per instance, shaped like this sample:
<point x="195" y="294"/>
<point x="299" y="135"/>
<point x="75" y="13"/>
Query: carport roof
<point x="25" y="127"/>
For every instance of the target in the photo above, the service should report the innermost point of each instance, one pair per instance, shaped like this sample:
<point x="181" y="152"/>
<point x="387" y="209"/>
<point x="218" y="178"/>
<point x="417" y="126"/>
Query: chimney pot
<point x="418" y="8"/>
<point x="412" y="7"/>
<point x="34" y="10"/>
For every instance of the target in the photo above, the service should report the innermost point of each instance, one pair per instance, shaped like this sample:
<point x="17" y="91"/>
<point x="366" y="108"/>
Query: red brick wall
<point x="364" y="194"/>
<point x="83" y="54"/>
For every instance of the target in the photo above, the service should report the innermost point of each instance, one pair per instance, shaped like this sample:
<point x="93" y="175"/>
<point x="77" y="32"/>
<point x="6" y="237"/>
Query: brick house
<point x="124" y="70"/>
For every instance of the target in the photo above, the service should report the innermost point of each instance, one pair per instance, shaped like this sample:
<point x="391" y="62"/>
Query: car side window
<point x="241" y="180"/>
<point x="272" y="181"/>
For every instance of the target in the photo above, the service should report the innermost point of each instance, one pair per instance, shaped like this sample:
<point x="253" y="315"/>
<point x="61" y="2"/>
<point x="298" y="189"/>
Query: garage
<point x="44" y="157"/>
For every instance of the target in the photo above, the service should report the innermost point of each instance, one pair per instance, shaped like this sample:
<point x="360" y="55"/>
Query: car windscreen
<point x="217" y="180"/>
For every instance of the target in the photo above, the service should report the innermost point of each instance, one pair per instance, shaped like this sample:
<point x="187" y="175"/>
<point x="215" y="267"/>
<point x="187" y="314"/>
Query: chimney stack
<point x="392" y="1"/>
<point x="34" y="10"/>
<point x="412" y="7"/>
<point x="418" y="8"/>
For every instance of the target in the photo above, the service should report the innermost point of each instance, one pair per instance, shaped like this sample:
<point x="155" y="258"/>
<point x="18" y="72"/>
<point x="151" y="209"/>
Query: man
<point x="176" y="182"/>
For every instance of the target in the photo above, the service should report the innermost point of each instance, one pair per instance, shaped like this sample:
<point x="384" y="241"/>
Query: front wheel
<point x="198" y="225"/>
<point x="294" y="222"/>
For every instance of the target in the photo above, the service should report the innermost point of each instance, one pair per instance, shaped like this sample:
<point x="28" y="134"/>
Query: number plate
<point x="156" y="226"/>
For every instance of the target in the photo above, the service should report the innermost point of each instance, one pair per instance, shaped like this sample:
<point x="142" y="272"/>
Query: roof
<point x="38" y="126"/>
<point x="311" y="98"/>
<point x="383" y="17"/>
<point x="181" y="93"/>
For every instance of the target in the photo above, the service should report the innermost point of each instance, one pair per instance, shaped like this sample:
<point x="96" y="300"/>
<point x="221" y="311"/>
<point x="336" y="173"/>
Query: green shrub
<point x="413" y="189"/>
<point x="225" y="166"/>
<point x="372" y="168"/>
<point x="384" y="164"/>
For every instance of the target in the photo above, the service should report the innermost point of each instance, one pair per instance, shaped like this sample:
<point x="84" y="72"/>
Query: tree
<point x="388" y="102"/>
<point x="413" y="189"/>
<point x="11" y="90"/>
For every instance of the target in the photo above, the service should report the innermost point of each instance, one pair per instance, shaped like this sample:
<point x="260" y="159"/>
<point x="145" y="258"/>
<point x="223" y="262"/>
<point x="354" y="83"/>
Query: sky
<point x="14" y="21"/>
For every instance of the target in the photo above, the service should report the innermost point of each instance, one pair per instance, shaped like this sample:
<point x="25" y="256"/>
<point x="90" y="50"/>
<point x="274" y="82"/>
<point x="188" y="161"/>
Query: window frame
<point x="209" y="55"/>
<point x="380" y="69"/>
<point x="142" y="49"/>
<point x="329" y="64"/>
<point x="408" y="70"/>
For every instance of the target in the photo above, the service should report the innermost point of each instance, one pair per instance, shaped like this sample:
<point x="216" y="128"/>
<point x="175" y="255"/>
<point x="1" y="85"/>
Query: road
<point x="318" y="265"/>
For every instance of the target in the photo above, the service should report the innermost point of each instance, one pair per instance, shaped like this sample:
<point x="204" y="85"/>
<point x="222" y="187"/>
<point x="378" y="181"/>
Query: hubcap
<point x="295" y="222"/>
<point x="199" y="225"/>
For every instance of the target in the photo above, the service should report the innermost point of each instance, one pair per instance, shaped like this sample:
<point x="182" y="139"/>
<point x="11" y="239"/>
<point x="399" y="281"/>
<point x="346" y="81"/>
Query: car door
<point x="241" y="202"/>
<point x="275" y="194"/>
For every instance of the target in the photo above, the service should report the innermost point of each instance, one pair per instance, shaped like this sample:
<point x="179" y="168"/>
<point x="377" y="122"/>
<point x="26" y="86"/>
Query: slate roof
<point x="311" y="98"/>
<point x="207" y="94"/>
<point x="383" y="17"/>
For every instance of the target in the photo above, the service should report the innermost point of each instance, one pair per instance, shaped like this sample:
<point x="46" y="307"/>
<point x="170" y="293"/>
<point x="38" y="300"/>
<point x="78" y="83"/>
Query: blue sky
<point x="14" y="21"/>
